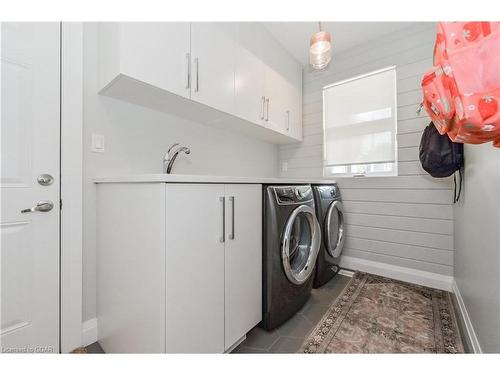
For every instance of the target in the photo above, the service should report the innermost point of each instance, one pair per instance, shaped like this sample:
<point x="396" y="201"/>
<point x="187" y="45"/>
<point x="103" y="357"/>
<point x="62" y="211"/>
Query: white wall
<point x="406" y="220"/>
<point x="137" y="138"/>
<point x="477" y="243"/>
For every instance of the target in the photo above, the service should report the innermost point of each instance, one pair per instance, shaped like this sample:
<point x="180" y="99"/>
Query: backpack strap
<point x="455" y="189"/>
<point x="455" y="196"/>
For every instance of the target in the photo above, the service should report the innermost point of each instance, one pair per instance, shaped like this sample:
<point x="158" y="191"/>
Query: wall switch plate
<point x="284" y="166"/>
<point x="97" y="143"/>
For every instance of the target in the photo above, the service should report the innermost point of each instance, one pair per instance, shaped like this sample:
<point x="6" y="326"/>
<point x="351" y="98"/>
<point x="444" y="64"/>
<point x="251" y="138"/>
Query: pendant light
<point x="320" y="49"/>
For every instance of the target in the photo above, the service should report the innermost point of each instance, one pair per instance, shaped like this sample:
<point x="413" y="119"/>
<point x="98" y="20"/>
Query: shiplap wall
<point x="405" y="220"/>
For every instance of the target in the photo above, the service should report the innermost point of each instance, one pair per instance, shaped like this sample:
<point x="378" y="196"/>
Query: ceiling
<point x="294" y="36"/>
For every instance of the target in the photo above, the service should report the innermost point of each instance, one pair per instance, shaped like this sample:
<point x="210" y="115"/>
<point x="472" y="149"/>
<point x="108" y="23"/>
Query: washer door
<point x="334" y="229"/>
<point x="300" y="245"/>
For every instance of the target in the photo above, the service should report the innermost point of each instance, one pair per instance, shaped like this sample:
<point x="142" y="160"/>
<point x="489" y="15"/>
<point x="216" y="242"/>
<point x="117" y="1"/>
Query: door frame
<point x="71" y="186"/>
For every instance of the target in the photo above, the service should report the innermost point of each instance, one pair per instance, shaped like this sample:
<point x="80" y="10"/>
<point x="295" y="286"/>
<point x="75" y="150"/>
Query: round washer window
<point x="300" y="244"/>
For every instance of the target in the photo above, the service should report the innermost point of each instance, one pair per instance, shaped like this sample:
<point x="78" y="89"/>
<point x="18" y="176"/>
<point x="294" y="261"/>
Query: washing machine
<point x="291" y="242"/>
<point x="330" y="214"/>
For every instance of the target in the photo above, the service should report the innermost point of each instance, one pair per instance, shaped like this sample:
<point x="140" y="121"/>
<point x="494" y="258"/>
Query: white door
<point x="243" y="261"/>
<point x="213" y="63"/>
<point x="195" y="268"/>
<point x="157" y="53"/>
<point x="30" y="148"/>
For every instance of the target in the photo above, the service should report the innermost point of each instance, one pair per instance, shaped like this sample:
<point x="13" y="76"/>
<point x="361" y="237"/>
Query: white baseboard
<point x="429" y="279"/>
<point x="347" y="273"/>
<point x="466" y="319"/>
<point x="89" y="332"/>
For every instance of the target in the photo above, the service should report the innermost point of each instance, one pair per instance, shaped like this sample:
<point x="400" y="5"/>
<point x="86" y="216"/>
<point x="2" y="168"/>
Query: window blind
<point x="359" y="120"/>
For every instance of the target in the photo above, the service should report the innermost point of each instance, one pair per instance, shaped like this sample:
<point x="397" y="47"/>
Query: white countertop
<point x="184" y="178"/>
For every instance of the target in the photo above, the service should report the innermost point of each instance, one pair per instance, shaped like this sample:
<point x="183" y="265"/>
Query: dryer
<point x="330" y="214"/>
<point x="291" y="242"/>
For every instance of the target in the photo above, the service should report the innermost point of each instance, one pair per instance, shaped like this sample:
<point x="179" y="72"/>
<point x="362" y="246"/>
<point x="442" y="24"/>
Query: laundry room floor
<point x="289" y="337"/>
<point x="363" y="288"/>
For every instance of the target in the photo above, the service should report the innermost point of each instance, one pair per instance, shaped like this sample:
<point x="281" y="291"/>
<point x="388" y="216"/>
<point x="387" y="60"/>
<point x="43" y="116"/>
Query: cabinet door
<point x="296" y="102"/>
<point x="194" y="268"/>
<point x="276" y="105"/>
<point x="294" y="111"/>
<point x="156" y="53"/>
<point x="213" y="63"/>
<point x="296" y="116"/>
<point x="243" y="261"/>
<point x="249" y="86"/>
<point x="131" y="267"/>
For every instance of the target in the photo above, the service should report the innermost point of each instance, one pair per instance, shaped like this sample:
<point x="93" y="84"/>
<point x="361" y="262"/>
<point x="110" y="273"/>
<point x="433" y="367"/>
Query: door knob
<point x="42" y="206"/>
<point x="45" y="179"/>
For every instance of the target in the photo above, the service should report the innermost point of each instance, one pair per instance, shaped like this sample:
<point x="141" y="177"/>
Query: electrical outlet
<point x="97" y="143"/>
<point x="284" y="166"/>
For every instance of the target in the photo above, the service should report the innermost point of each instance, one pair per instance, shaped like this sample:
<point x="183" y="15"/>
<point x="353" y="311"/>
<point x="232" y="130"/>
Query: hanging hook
<point x="419" y="109"/>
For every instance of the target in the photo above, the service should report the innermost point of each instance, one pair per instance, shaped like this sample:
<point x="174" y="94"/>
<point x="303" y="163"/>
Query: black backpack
<point x="440" y="157"/>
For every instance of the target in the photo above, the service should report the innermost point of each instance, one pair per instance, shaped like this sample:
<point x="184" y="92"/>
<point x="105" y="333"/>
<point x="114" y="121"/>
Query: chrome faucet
<point x="171" y="155"/>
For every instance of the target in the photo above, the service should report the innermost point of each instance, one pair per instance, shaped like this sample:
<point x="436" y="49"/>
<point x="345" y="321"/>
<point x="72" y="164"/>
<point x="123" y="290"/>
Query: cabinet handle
<point x="267" y="110"/>
<point x="287" y="120"/>
<point x="223" y="205"/>
<point x="197" y="63"/>
<point x="188" y="60"/>
<point x="263" y="110"/>
<point x="231" y="235"/>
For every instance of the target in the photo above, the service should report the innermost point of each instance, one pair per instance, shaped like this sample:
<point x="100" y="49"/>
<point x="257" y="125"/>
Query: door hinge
<point x="60" y="204"/>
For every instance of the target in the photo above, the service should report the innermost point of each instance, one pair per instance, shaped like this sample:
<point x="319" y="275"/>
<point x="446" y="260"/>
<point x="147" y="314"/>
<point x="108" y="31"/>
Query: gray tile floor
<point x="94" y="348"/>
<point x="289" y="337"/>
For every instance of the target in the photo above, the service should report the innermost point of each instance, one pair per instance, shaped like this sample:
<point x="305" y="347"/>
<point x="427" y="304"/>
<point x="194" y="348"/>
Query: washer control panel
<point x="293" y="194"/>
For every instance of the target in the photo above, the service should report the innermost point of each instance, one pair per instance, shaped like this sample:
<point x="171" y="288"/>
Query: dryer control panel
<point x="329" y="192"/>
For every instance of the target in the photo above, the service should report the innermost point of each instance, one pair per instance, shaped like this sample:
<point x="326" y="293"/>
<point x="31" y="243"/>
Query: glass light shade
<point x="320" y="50"/>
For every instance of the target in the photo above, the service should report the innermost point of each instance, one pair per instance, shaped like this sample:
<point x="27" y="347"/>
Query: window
<point x="359" y="125"/>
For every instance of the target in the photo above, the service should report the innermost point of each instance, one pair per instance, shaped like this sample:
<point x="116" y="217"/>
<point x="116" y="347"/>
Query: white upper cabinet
<point x="268" y="83"/>
<point x="277" y="102"/>
<point x="249" y="85"/>
<point x="155" y="53"/>
<point x="284" y="97"/>
<point x="294" y="107"/>
<point x="234" y="76"/>
<point x="213" y="64"/>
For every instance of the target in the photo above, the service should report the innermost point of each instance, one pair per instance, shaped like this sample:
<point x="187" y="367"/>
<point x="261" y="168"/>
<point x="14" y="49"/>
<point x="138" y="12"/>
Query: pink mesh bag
<point x="462" y="91"/>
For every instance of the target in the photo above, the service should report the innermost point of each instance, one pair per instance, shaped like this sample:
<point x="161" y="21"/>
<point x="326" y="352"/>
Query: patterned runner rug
<point x="375" y="314"/>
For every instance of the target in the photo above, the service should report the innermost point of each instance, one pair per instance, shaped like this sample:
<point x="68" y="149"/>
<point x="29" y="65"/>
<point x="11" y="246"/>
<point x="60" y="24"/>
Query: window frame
<point x="394" y="171"/>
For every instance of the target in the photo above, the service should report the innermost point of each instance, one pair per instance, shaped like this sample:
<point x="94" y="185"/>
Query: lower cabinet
<point x="195" y="269"/>
<point x="214" y="267"/>
<point x="196" y="266"/>
<point x="243" y="261"/>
